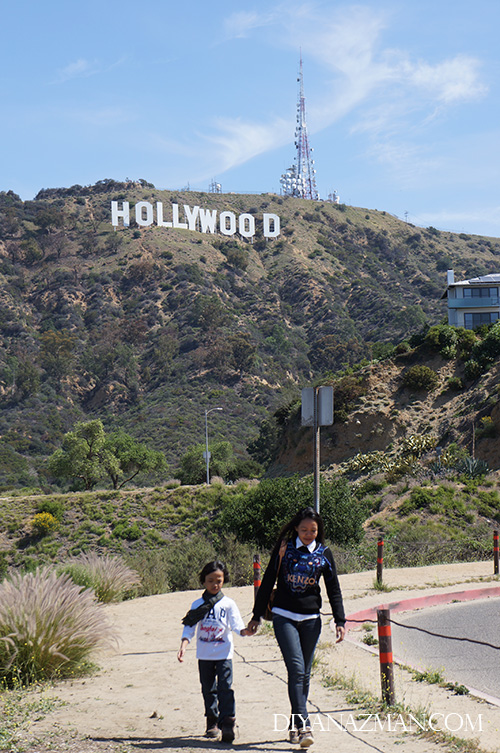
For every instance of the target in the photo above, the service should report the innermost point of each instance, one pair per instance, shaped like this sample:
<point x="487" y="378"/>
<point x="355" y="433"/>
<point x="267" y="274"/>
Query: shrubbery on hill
<point x="258" y="515"/>
<point x="420" y="378"/>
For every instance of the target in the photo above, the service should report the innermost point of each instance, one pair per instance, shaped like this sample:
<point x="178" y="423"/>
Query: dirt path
<point x="142" y="699"/>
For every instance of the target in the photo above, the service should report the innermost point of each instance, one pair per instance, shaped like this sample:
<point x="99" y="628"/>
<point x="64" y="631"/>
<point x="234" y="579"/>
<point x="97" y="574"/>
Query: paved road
<point x="465" y="663"/>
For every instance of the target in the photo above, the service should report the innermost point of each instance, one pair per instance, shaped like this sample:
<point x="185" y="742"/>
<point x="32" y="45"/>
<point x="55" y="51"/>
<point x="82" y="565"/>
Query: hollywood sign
<point x="195" y="218"/>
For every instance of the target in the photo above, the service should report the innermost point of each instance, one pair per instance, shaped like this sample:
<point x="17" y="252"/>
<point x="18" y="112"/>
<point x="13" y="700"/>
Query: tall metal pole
<point x="207" y="454"/>
<point x="316" y="431"/>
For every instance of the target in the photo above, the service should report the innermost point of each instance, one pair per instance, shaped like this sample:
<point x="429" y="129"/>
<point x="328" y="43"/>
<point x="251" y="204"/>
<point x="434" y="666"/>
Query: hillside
<point x="146" y="327"/>
<point x="375" y="412"/>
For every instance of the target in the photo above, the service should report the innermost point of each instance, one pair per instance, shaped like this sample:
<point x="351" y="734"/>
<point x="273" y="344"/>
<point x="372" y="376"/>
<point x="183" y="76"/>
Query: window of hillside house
<point x="475" y="320"/>
<point x="480" y="292"/>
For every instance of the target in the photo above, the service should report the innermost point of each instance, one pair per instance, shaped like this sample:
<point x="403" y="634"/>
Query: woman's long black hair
<point x="288" y="531"/>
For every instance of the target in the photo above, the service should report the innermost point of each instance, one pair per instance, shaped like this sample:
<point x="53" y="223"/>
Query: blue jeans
<point x="297" y="641"/>
<point x="216" y="678"/>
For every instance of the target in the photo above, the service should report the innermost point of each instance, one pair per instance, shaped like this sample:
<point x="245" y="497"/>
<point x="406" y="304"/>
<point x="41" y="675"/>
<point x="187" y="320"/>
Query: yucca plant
<point x="109" y="576"/>
<point x="48" y="626"/>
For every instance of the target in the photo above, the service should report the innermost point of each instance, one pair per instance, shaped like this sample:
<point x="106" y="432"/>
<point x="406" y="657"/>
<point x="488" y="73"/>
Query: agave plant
<point x="417" y="444"/>
<point x="473" y="467"/>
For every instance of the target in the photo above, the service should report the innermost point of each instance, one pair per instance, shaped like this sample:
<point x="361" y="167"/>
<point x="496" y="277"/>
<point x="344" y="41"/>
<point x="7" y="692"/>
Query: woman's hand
<point x="340" y="633"/>
<point x="252" y="626"/>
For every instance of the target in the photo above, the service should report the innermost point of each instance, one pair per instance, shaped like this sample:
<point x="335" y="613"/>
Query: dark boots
<point x="228" y="729"/>
<point x="212" y="730"/>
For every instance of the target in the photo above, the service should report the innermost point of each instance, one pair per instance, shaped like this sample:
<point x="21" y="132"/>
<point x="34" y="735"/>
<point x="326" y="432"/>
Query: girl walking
<point x="215" y="616"/>
<point x="297" y="562"/>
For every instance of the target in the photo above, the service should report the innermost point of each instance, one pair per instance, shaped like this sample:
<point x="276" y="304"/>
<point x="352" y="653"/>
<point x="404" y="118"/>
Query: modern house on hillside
<point x="473" y="302"/>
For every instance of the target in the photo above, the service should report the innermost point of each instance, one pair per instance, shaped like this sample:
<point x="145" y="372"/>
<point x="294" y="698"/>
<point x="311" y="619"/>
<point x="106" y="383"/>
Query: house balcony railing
<point x="473" y="303"/>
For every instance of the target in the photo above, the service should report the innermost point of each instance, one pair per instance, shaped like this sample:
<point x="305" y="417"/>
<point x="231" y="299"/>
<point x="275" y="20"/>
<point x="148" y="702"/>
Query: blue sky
<point x="402" y="99"/>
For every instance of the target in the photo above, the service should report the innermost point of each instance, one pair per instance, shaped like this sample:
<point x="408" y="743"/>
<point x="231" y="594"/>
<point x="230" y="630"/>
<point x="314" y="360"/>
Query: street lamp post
<point x="207" y="454"/>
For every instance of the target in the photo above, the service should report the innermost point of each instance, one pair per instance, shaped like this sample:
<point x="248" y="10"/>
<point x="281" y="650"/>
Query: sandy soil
<point x="143" y="699"/>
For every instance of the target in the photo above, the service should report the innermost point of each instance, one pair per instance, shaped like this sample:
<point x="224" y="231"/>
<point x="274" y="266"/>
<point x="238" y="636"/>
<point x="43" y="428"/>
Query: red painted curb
<point x="422" y="601"/>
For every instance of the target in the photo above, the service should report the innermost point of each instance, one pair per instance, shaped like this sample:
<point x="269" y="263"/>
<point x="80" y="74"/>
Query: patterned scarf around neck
<point x="195" y="615"/>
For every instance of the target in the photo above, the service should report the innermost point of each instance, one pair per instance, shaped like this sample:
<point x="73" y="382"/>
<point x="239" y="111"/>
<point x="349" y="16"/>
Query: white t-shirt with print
<point x="214" y="637"/>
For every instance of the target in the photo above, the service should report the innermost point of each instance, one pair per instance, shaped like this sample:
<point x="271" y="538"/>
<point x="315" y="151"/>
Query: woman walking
<point x="297" y="562"/>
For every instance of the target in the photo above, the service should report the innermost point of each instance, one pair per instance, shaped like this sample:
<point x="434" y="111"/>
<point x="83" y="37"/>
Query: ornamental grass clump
<point x="109" y="577"/>
<point x="48" y="627"/>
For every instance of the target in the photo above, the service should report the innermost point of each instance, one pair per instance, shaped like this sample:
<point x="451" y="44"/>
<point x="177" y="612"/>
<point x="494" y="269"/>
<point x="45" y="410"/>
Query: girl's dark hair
<point x="211" y="567"/>
<point x="288" y="531"/>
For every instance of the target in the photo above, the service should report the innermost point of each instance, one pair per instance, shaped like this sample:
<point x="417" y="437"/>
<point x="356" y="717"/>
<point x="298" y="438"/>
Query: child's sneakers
<point x="212" y="731"/>
<point x="305" y="737"/>
<point x="228" y="729"/>
<point x="293" y="736"/>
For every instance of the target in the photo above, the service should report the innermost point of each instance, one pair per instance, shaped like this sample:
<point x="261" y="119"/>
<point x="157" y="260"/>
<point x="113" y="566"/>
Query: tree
<point x="258" y="515"/>
<point x="133" y="458"/>
<point x="80" y="456"/>
<point x="209" y="313"/>
<point x="57" y="351"/>
<point x="193" y="467"/>
<point x="88" y="455"/>
<point x="243" y="351"/>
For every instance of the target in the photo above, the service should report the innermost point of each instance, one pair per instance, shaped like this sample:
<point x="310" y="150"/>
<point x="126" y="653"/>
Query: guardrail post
<point x="495" y="552"/>
<point x="385" y="656"/>
<point x="256" y="574"/>
<point x="380" y="559"/>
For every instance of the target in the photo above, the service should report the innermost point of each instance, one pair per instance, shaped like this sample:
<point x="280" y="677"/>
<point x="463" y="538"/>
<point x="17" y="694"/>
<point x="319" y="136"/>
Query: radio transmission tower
<point x="299" y="179"/>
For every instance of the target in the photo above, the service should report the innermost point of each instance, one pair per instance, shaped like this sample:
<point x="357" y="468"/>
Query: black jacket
<point x="298" y="582"/>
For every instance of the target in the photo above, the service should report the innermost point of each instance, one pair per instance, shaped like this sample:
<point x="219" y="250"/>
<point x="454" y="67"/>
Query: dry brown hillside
<point x="388" y="413"/>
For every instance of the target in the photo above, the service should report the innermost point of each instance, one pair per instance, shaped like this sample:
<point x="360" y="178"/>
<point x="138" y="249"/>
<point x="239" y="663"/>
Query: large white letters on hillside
<point x="195" y="218"/>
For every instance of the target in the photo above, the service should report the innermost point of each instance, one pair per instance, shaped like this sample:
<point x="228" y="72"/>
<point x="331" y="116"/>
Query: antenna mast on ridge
<point x="299" y="179"/>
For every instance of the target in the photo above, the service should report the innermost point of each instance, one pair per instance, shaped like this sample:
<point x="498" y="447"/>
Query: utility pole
<point x="317" y="411"/>
<point x="207" y="453"/>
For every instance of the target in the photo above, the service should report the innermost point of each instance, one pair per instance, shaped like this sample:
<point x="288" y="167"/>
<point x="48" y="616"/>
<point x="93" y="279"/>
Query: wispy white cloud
<point x="409" y="163"/>
<point x="450" y="81"/>
<point x="83" y="68"/>
<point x="241" y="23"/>
<point x="80" y="68"/>
<point x="238" y="141"/>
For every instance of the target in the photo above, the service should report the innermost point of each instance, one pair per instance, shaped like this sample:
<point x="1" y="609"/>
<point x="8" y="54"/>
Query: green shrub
<point x="52" y="506"/>
<point x="472" y="369"/>
<point x="185" y="561"/>
<point x="152" y="565"/>
<point x="109" y="576"/>
<point x="420" y="378"/>
<point x="129" y="532"/>
<point x="49" y="626"/>
<point x="259" y="515"/>
<point x="238" y="557"/>
<point x="467" y="338"/>
<point x="455" y="384"/>
<point x="419" y="499"/>
<point x="402" y="347"/>
<point x="443" y="338"/>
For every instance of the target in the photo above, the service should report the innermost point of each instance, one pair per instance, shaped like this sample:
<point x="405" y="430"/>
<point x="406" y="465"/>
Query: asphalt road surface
<point x="465" y="663"/>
